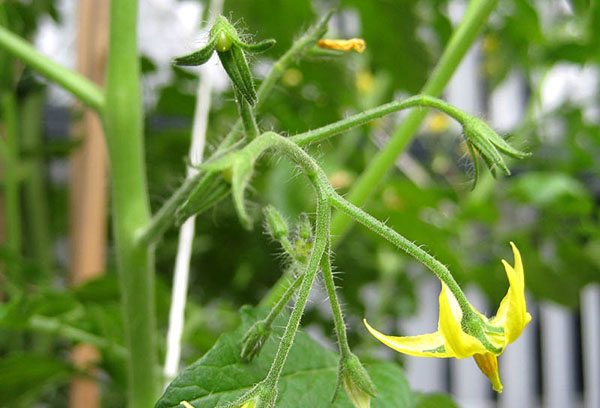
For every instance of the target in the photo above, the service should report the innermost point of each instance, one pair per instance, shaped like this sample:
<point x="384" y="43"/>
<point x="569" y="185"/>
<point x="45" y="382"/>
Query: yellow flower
<point x="488" y="337"/>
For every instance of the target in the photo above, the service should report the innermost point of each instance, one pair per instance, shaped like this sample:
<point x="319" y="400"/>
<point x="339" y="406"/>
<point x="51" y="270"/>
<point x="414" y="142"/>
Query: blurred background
<point x="533" y="74"/>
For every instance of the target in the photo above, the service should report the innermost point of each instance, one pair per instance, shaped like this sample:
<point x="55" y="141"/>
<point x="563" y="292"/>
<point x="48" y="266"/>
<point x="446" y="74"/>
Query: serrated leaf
<point x="308" y="379"/>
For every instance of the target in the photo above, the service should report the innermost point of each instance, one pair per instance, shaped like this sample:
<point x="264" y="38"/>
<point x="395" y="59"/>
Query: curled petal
<point x="458" y="342"/>
<point x="426" y="345"/>
<point x="512" y="313"/>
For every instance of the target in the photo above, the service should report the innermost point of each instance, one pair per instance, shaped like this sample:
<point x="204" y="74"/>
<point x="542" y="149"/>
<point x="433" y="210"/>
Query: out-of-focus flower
<point x="356" y="44"/>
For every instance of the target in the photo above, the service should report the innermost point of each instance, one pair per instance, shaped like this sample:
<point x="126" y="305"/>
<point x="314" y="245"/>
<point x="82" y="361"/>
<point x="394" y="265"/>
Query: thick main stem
<point x="124" y="132"/>
<point x="459" y="44"/>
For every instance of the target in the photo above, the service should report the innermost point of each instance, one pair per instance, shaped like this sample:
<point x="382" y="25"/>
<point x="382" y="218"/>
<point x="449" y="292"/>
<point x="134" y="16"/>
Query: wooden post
<point x="88" y="190"/>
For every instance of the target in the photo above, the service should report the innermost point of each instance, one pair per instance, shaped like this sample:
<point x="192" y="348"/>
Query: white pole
<point x="186" y="233"/>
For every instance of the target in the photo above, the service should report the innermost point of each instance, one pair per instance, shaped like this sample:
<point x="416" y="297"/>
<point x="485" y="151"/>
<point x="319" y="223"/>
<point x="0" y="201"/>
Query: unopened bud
<point x="276" y="225"/>
<point x="356" y="382"/>
<point x="254" y="340"/>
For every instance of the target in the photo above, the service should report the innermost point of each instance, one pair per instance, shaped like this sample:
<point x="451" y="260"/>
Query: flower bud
<point x="304" y="227"/>
<point x="254" y="340"/>
<point x="276" y="225"/>
<point x="356" y="382"/>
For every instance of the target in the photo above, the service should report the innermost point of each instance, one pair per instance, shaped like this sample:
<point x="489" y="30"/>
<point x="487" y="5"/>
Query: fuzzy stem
<point x="321" y="243"/>
<point x="284" y="299"/>
<point x="83" y="89"/>
<point x="407" y="246"/>
<point x="359" y="119"/>
<point x="336" y="309"/>
<point x="123" y="121"/>
<point x="248" y="120"/>
<point x="460" y="42"/>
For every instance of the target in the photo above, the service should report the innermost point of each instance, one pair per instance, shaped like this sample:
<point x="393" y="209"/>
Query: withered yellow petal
<point x="425" y="345"/>
<point x="512" y="314"/>
<point x="488" y="364"/>
<point x="457" y="341"/>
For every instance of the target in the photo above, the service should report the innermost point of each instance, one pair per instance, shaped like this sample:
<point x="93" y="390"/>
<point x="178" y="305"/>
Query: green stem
<point x="166" y="215"/>
<point x="322" y="133"/>
<point x="336" y="309"/>
<point x="124" y="133"/>
<point x="401" y="242"/>
<point x="284" y="299"/>
<point x="10" y="167"/>
<point x="52" y="326"/>
<point x="85" y="90"/>
<point x="248" y="120"/>
<point x="459" y="44"/>
<point x="321" y="243"/>
<point x="34" y="187"/>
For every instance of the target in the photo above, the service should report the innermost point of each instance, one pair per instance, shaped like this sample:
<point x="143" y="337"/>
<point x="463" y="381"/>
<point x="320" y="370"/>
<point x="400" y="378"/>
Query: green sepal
<point x="254" y="340"/>
<point x="202" y="199"/>
<point x="242" y="172"/>
<point x="276" y="225"/>
<point x="256" y="47"/>
<point x="475" y="158"/>
<point x="232" y="69"/>
<point x="198" y="57"/>
<point x="476" y="133"/>
<point x="242" y="64"/>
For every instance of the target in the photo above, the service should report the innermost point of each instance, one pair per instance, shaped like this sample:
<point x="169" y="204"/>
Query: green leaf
<point x="308" y="379"/>
<point x="435" y="401"/>
<point x="24" y="374"/>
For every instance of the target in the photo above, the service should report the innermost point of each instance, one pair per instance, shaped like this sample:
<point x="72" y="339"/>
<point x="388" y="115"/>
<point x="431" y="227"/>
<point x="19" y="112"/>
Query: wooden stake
<point x="88" y="200"/>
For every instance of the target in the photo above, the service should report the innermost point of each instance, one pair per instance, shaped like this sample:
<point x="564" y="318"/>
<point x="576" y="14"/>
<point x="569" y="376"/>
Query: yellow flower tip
<point x="356" y="44"/>
<point x="186" y="404"/>
<point x="488" y="364"/>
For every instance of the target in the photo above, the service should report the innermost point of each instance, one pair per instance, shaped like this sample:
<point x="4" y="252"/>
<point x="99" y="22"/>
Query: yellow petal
<point x="488" y="364"/>
<point x="457" y="341"/>
<point x="426" y="345"/>
<point x="512" y="314"/>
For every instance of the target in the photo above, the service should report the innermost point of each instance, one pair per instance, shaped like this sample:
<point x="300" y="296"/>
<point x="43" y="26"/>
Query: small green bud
<point x="481" y="139"/>
<point x="276" y="225"/>
<point x="254" y="340"/>
<point x="304" y="227"/>
<point x="356" y="382"/>
<point x="224" y="42"/>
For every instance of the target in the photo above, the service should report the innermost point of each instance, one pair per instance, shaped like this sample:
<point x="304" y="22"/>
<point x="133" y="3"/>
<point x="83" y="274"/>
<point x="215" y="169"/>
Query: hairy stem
<point x="359" y="119"/>
<point x="83" y="89"/>
<point x="336" y="309"/>
<point x="285" y="298"/>
<point x="247" y="116"/>
<point x="123" y="123"/>
<point x="321" y="243"/>
<point x="459" y="44"/>
<point x="401" y="242"/>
